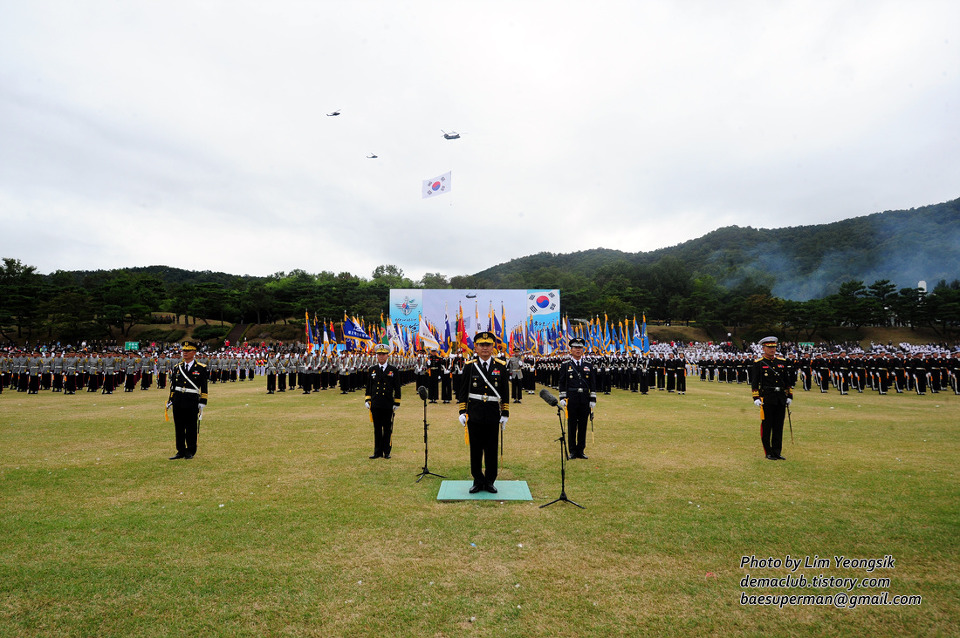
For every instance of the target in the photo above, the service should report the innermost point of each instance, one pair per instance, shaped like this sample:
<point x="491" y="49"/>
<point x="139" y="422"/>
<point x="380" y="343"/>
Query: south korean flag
<point x="542" y="302"/>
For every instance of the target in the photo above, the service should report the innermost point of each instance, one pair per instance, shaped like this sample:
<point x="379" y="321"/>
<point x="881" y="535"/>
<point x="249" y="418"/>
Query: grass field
<point x="281" y="526"/>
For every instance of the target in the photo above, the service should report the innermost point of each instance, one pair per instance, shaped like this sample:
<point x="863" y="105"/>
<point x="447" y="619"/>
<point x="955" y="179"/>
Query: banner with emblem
<point x="505" y="310"/>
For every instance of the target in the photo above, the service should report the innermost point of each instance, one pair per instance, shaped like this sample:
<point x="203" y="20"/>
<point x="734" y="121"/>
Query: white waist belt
<point x="482" y="397"/>
<point x="187" y="390"/>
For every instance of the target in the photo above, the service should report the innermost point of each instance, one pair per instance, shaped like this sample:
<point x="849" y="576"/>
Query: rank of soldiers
<point x="886" y="370"/>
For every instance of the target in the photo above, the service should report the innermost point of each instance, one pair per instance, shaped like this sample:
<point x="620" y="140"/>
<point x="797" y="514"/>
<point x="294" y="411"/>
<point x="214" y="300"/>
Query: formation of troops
<point x="882" y="369"/>
<point x="485" y="384"/>
<point x="884" y="372"/>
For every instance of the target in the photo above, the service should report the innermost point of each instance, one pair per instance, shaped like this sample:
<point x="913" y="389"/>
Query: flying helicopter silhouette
<point x="372" y="156"/>
<point x="452" y="135"/>
<point x="334" y="114"/>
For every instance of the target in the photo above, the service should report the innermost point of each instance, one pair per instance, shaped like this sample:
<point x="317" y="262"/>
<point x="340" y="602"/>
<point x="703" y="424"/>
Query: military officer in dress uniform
<point x="578" y="395"/>
<point x="382" y="399"/>
<point x="446" y="380"/>
<point x="188" y="397"/>
<point x="34" y="368"/>
<point x="484" y="398"/>
<point x="772" y="393"/>
<point x="70" y="374"/>
<point x="433" y="376"/>
<point x="272" y="369"/>
<point x="515" y="366"/>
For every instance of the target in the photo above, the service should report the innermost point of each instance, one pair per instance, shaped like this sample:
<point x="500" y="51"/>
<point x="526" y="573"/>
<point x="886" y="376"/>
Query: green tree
<point x="944" y="304"/>
<point x="257" y="301"/>
<point x="20" y="299"/>
<point x="879" y="297"/>
<point x="766" y="312"/>
<point x="433" y="280"/>
<point x="391" y="277"/>
<point x="849" y="304"/>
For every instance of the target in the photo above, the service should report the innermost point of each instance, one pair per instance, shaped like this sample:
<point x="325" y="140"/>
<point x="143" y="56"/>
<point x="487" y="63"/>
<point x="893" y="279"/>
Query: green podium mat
<point x="506" y="491"/>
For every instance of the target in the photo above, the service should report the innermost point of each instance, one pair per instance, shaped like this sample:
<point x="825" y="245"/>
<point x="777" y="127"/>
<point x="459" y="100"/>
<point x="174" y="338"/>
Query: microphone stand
<point x="425" y="471"/>
<point x="563" y="465"/>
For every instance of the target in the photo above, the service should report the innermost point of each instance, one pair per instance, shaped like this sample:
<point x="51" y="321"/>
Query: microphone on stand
<point x="553" y="403"/>
<point x="549" y="398"/>
<point x="422" y="393"/>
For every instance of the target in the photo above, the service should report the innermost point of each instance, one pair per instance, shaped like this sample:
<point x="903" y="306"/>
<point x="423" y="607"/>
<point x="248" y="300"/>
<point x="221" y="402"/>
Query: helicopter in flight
<point x="334" y="114"/>
<point x="452" y="135"/>
<point x="372" y="156"/>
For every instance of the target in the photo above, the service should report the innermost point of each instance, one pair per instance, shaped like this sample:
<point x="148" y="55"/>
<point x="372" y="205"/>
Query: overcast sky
<point x="194" y="134"/>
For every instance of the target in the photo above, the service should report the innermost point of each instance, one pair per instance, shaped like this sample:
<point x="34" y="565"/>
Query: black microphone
<point x="549" y="398"/>
<point x="422" y="391"/>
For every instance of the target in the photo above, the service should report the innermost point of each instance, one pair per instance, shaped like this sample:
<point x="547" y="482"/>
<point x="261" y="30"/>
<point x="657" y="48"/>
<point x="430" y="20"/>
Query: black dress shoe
<point x="771" y="457"/>
<point x="188" y="456"/>
<point x="386" y="456"/>
<point x="781" y="458"/>
<point x="490" y="488"/>
<point x="582" y="456"/>
<point x="176" y="456"/>
<point x="376" y="456"/>
<point x="475" y="489"/>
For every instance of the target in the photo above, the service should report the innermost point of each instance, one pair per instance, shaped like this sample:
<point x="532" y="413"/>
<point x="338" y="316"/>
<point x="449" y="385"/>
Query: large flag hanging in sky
<point x="437" y="186"/>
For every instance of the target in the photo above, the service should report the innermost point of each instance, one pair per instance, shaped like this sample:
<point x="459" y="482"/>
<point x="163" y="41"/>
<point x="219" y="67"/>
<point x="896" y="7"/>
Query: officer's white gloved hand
<point x="789" y="401"/>
<point x="366" y="404"/>
<point x="758" y="403"/>
<point x="169" y="404"/>
<point x="201" y="409"/>
<point x="503" y="422"/>
<point x="563" y="403"/>
<point x="593" y="404"/>
<point x="395" y="408"/>
<point x="463" y="419"/>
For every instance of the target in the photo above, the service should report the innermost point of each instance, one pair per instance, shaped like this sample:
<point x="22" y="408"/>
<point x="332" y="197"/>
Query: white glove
<point x="503" y="422"/>
<point x="758" y="403"/>
<point x="789" y="401"/>
<point x="366" y="404"/>
<point x="563" y="403"/>
<point x="463" y="419"/>
<point x="593" y="404"/>
<point x="201" y="410"/>
<point x="169" y="404"/>
<point x="395" y="408"/>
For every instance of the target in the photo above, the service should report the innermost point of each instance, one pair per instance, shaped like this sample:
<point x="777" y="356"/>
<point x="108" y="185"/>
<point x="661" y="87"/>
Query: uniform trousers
<point x="578" y="412"/>
<point x="186" y="410"/>
<point x="483" y="428"/>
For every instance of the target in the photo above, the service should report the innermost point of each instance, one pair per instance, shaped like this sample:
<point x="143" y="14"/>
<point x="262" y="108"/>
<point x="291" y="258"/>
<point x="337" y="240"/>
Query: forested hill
<point x="799" y="263"/>
<point x="167" y="274"/>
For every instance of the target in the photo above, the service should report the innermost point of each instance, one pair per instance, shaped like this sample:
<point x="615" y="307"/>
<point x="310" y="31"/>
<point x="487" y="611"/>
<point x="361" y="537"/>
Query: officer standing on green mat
<point x="484" y="398"/>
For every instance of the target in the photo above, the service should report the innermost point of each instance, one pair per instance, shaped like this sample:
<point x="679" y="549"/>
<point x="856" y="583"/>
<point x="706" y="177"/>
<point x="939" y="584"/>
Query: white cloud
<point x="627" y="125"/>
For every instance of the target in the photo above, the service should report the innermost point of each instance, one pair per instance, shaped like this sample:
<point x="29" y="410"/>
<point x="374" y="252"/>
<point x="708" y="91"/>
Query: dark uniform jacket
<point x="187" y="385"/>
<point x="578" y="384"/>
<point x="383" y="387"/>
<point x="477" y="398"/>
<point x="772" y="379"/>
